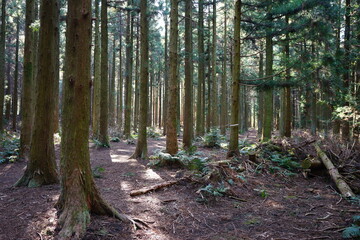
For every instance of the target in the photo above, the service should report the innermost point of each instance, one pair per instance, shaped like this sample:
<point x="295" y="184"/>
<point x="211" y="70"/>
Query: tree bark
<point x="171" y="134"/>
<point x="2" y="62"/>
<point x="188" y="110"/>
<point x="16" y="78"/>
<point x="223" y="106"/>
<point x="234" y="124"/>
<point x="104" y="90"/>
<point x="41" y="169"/>
<point x="214" y="83"/>
<point x="141" y="146"/>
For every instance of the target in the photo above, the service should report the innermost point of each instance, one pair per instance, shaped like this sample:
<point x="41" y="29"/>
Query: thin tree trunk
<point x="201" y="72"/>
<point x="166" y="74"/>
<point x="120" y="81"/>
<point x="137" y="91"/>
<point x="16" y="78"/>
<point x="214" y="88"/>
<point x="261" y="91"/>
<point x="223" y="108"/>
<point x="141" y="146"/>
<point x="2" y="62"/>
<point x="234" y="123"/>
<point x="171" y="135"/>
<point x="128" y="75"/>
<point x="104" y="90"/>
<point x="188" y="111"/>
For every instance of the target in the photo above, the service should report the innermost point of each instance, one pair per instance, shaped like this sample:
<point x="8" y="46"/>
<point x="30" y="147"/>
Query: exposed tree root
<point x="35" y="179"/>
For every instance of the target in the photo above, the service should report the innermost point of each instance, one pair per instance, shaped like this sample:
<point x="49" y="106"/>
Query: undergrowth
<point x="9" y="148"/>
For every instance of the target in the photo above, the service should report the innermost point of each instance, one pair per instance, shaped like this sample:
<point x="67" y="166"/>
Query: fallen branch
<point x="154" y="187"/>
<point x="343" y="187"/>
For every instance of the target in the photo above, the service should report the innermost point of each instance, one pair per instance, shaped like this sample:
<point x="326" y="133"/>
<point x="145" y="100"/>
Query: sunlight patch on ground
<point x="149" y="174"/>
<point x="120" y="158"/>
<point x="274" y="204"/>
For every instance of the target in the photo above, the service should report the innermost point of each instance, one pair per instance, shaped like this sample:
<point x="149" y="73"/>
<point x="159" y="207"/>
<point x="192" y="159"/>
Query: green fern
<point x="351" y="232"/>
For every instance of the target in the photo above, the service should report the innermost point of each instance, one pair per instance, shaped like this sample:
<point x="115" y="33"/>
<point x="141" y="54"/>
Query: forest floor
<point x="268" y="206"/>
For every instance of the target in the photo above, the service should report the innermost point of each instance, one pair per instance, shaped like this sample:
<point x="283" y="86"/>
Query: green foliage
<point x="262" y="193"/>
<point x="98" y="171"/>
<point x="285" y="162"/>
<point x="99" y="144"/>
<point x="351" y="232"/>
<point x="9" y="148"/>
<point x="115" y="139"/>
<point x="218" y="191"/>
<point x="213" y="139"/>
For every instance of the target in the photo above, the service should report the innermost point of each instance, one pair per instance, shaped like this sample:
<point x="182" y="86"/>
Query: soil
<point x="269" y="206"/>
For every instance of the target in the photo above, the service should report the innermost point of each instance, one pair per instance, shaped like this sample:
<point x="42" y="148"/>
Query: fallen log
<point x="154" y="187"/>
<point x="343" y="187"/>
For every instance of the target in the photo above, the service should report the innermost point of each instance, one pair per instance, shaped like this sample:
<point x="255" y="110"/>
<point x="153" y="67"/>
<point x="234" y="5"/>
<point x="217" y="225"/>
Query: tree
<point x="97" y="75"/>
<point x="79" y="196"/>
<point x="223" y="106"/>
<point x="188" y="109"/>
<point x="41" y="169"/>
<point x="171" y="134"/>
<point x="104" y="92"/>
<point x="16" y="76"/>
<point x="2" y="61"/>
<point x="214" y="88"/>
<point x="141" y="146"/>
<point x="234" y="123"/>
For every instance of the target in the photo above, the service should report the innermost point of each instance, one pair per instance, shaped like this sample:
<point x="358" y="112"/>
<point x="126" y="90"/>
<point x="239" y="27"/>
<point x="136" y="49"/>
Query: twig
<point x="326" y="217"/>
<point x="41" y="238"/>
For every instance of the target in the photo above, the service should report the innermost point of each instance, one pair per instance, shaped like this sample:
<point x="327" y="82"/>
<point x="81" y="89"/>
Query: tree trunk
<point x="141" y="146"/>
<point x="96" y="96"/>
<point x="188" y="111"/>
<point x="2" y="62"/>
<point x="261" y="91"/>
<point x="137" y="91"/>
<point x="166" y="74"/>
<point x="128" y="74"/>
<point x="16" y="78"/>
<point x="41" y="168"/>
<point x="223" y="106"/>
<point x="201" y="72"/>
<point x="57" y="69"/>
<point x="104" y="90"/>
<point x="112" y="94"/>
<point x="214" y="88"/>
<point x="171" y="135"/>
<point x="234" y="124"/>
<point x="120" y="81"/>
<point x="268" y="91"/>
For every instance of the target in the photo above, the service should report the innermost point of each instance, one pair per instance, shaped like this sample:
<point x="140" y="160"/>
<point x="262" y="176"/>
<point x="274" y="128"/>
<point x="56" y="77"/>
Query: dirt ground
<point x="292" y="208"/>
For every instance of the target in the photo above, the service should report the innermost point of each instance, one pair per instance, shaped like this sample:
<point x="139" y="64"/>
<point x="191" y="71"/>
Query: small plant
<point x="10" y="148"/>
<point x="219" y="191"/>
<point x="99" y="144"/>
<point x="285" y="162"/>
<point x="213" y="138"/>
<point x="262" y="193"/>
<point x="354" y="230"/>
<point x="98" y="171"/>
<point x="115" y="139"/>
<point x="152" y="133"/>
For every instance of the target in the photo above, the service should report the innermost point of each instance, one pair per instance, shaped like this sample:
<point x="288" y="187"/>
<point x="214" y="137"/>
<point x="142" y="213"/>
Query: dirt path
<point x="289" y="208"/>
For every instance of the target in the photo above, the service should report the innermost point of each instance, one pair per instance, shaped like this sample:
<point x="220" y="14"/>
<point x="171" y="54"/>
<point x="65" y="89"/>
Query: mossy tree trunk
<point x="97" y="75"/>
<point x="141" y="146"/>
<point x="41" y="168"/>
<point x="171" y="134"/>
<point x="2" y="62"/>
<point x="79" y="196"/>
<point x="104" y="90"/>
<point x="234" y="123"/>
<point x="188" y="110"/>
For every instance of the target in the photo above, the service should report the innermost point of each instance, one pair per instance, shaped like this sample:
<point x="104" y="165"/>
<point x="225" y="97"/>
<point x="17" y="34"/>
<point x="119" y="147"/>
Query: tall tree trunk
<point x="41" y="168"/>
<point x="313" y="99"/>
<point x="345" y="128"/>
<point x="120" y="80"/>
<point x="79" y="195"/>
<point x="223" y="107"/>
<point x="214" y="87"/>
<point x="104" y="90"/>
<point x="57" y="69"/>
<point x="171" y="135"/>
<point x="201" y="72"/>
<point x="28" y="83"/>
<point x="166" y="74"/>
<point x="261" y="91"/>
<point x="141" y="146"/>
<point x="112" y="94"/>
<point x="285" y="107"/>
<point x="128" y="74"/>
<point x="268" y="91"/>
<point x="188" y="111"/>
<point x="137" y="91"/>
<point x="8" y="92"/>
<point x="234" y="123"/>
<point x="96" y="96"/>
<point x="2" y="62"/>
<point x="16" y="78"/>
